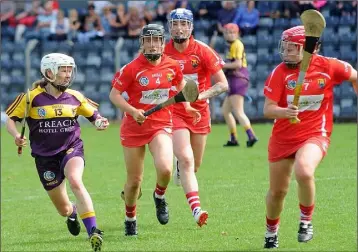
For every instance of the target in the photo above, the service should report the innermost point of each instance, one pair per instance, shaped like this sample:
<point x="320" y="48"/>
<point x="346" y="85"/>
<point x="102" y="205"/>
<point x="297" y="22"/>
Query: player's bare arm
<point x="233" y="65"/>
<point x="353" y="79"/>
<point x="11" y="128"/>
<point x="117" y="99"/>
<point x="219" y="87"/>
<point x="273" y="111"/>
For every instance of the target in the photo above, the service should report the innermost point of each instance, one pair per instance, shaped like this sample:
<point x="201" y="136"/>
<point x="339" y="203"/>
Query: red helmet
<point x="291" y="45"/>
<point x="232" y="27"/>
<point x="295" y="34"/>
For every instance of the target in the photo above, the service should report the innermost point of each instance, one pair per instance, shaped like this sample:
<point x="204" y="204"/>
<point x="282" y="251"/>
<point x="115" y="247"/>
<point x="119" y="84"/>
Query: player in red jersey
<point x="147" y="80"/>
<point x="299" y="147"/>
<point x="200" y="63"/>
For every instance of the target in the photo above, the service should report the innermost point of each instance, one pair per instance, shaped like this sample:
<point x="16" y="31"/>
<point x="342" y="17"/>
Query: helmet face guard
<point x="152" y="41"/>
<point x="53" y="62"/>
<point x="180" y="23"/>
<point x="290" y="46"/>
<point x="291" y="53"/>
<point x="65" y="84"/>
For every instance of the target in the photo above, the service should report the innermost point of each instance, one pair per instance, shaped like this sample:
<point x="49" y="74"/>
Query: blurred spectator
<point x="341" y="8"/>
<point x="150" y="13"/>
<point x="100" y="5"/>
<point x="190" y="5"/>
<point x="305" y="5"/>
<point x="226" y="15"/>
<point x="7" y="14"/>
<point x="139" y="5"/>
<point x="135" y="23"/>
<point x="247" y="19"/>
<point x="318" y="4"/>
<point x="163" y="9"/>
<point x="59" y="27"/>
<point x="91" y="27"/>
<point x="107" y="17"/>
<point x="74" y="25"/>
<point x="119" y="23"/>
<point x="291" y="9"/>
<point x="27" y="18"/>
<point x="271" y="9"/>
<point x="208" y="10"/>
<point x="42" y="29"/>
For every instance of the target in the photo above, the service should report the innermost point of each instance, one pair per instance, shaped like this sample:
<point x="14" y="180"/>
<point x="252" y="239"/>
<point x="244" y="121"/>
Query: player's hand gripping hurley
<point x="314" y="24"/>
<point x="189" y="93"/>
<point x="27" y="108"/>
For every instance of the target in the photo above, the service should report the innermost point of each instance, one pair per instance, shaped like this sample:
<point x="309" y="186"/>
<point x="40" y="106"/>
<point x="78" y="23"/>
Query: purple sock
<point x="232" y="137"/>
<point x="89" y="223"/>
<point x="74" y="212"/>
<point x="250" y="134"/>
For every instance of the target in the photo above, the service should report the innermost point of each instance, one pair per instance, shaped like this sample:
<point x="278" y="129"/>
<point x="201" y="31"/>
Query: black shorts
<point x="51" y="169"/>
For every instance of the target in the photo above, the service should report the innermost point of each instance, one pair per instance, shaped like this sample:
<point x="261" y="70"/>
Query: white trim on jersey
<point x="205" y="45"/>
<point x="140" y="73"/>
<point x="323" y="127"/>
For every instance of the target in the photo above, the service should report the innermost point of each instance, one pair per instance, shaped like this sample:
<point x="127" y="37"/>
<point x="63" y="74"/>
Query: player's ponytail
<point x="40" y="83"/>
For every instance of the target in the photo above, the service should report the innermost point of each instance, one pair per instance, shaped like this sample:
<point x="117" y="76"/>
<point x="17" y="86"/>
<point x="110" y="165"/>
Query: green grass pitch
<point x="233" y="184"/>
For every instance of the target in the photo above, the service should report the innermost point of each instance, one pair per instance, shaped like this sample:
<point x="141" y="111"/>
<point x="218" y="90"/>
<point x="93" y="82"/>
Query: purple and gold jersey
<point x="52" y="121"/>
<point x="236" y="51"/>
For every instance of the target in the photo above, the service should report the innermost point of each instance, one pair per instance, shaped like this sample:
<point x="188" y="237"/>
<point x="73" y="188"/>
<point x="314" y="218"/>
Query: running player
<point x="55" y="139"/>
<point x="200" y="63"/>
<point x="148" y="80"/>
<point x="299" y="147"/>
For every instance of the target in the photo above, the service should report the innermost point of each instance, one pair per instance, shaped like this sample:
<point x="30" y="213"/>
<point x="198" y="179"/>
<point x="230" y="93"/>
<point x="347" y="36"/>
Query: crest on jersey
<point x="143" y="81"/>
<point x="41" y="112"/>
<point x="194" y="63"/>
<point x="321" y="83"/>
<point x="49" y="175"/>
<point x="291" y="84"/>
<point x="170" y="77"/>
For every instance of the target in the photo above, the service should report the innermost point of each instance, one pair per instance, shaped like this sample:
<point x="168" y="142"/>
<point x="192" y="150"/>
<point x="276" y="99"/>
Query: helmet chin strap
<point x="61" y="88"/>
<point x="180" y="40"/>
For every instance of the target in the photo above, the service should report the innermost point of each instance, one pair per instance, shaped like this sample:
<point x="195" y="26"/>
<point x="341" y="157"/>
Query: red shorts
<point x="134" y="135"/>
<point x="186" y="122"/>
<point x="278" y="151"/>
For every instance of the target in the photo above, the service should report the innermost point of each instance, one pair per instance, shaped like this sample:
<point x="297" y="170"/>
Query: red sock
<point x="131" y="212"/>
<point x="272" y="225"/>
<point x="160" y="191"/>
<point x="306" y="212"/>
<point x="193" y="200"/>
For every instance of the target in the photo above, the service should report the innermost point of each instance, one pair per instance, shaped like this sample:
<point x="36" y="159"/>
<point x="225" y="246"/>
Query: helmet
<point x="152" y="31"/>
<point x="175" y="18"/>
<point x="231" y="32"/>
<point x="293" y="40"/>
<point x="52" y="62"/>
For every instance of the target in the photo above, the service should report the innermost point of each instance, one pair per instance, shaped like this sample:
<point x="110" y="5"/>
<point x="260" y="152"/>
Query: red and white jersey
<point x="198" y="62"/>
<point x="316" y="100"/>
<point x="148" y="85"/>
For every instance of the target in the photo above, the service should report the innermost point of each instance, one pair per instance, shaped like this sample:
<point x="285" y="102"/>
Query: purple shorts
<point x="237" y="86"/>
<point x="51" y="168"/>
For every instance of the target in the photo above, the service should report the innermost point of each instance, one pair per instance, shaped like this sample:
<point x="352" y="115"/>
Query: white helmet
<point x="52" y="62"/>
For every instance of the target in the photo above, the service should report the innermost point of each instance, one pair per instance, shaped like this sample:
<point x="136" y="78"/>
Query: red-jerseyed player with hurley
<point x="200" y="63"/>
<point x="299" y="147"/>
<point x="147" y="80"/>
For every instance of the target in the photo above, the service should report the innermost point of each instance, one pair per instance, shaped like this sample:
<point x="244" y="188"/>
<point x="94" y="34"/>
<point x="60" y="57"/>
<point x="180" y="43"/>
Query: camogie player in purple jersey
<point x="55" y="140"/>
